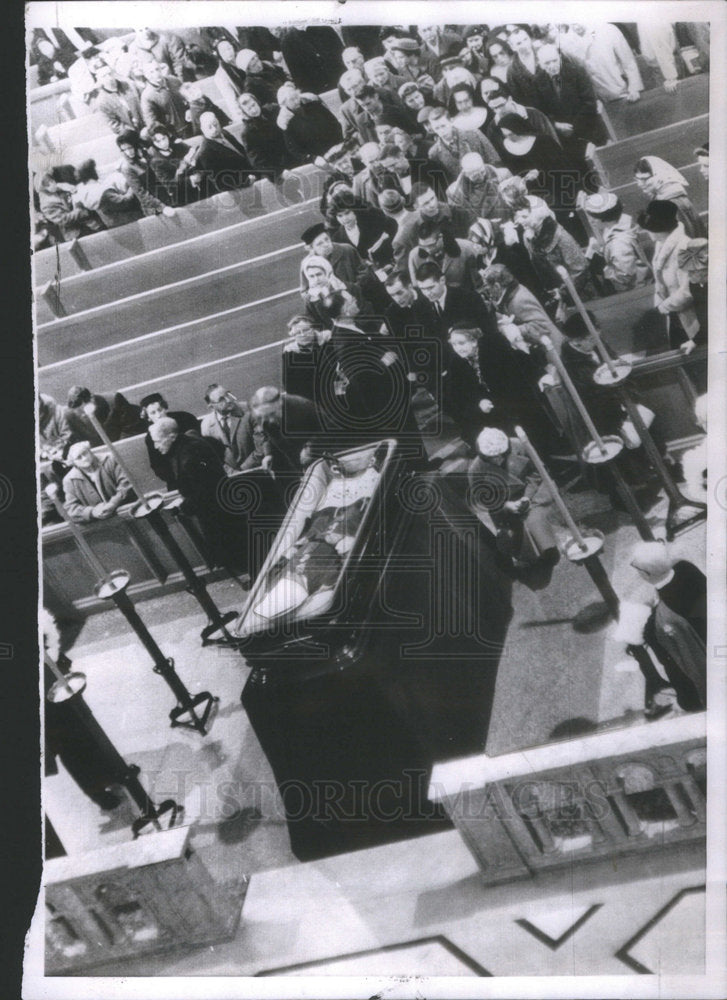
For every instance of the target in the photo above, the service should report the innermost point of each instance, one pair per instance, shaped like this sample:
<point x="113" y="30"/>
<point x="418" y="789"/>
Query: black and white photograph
<point x="381" y="540"/>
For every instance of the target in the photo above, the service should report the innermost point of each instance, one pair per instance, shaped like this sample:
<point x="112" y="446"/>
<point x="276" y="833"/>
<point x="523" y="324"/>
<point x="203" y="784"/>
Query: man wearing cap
<point x="310" y="128"/>
<point x="677" y="627"/>
<point x="505" y="487"/>
<point x="95" y="487"/>
<point x="344" y="259"/>
<point x="617" y="241"/>
<point x="452" y="144"/>
<point x="414" y="65"/>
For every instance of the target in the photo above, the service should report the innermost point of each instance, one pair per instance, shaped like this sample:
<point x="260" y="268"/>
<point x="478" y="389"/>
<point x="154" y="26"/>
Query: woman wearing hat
<point x="672" y="294"/>
<point x="617" y="241"/>
<point x="660" y="180"/>
<point x="505" y="486"/>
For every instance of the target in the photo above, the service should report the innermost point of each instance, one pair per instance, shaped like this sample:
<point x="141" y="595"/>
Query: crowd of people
<point x="460" y="207"/>
<point x="526" y="99"/>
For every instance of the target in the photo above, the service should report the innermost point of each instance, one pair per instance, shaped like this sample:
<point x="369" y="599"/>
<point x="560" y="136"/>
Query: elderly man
<point x="162" y="103"/>
<point x="310" y="128"/>
<point x="200" y="478"/>
<point x="289" y="426"/>
<point x="153" y="408"/>
<point x="439" y="42"/>
<point x="228" y="424"/>
<point x="453" y="143"/>
<point x="565" y="93"/>
<point x="221" y="162"/>
<point x="476" y="189"/>
<point x="117" y="100"/>
<point x="95" y="487"/>
<point x="355" y="120"/>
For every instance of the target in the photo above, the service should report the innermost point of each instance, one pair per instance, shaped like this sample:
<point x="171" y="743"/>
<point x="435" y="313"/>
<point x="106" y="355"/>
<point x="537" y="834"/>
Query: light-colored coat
<point x="81" y="493"/>
<point x="240" y="448"/>
<point x="672" y="283"/>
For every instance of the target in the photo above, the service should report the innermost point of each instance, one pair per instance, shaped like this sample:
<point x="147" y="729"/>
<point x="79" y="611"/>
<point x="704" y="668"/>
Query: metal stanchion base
<point x="198" y="722"/>
<point x="593" y="543"/>
<point x="605" y="377"/>
<point x="680" y="518"/>
<point x="216" y="634"/>
<point x="593" y="455"/>
<point x="168" y="806"/>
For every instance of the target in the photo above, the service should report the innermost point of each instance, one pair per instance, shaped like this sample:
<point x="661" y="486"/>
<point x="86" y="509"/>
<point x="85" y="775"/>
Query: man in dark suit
<point x="221" y="162"/>
<point x="289" y="426"/>
<point x="310" y="128"/>
<point x="200" y="478"/>
<point x="153" y="408"/>
<point x="566" y="95"/>
<point x="448" y="305"/>
<point x="229" y="427"/>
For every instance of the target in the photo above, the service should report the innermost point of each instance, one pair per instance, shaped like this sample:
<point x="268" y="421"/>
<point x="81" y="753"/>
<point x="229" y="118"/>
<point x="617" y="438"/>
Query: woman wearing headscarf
<point x="326" y="296"/>
<point x="551" y="247"/>
<point x="672" y="294"/>
<point x="262" y="78"/>
<point x="660" y="180"/>
<point x="229" y="78"/>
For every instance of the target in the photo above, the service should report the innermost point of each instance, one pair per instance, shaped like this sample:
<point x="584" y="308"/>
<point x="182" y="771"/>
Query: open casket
<point x="323" y="533"/>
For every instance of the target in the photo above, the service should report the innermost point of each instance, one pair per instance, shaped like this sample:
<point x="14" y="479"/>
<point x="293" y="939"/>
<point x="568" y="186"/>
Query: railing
<point x="616" y="792"/>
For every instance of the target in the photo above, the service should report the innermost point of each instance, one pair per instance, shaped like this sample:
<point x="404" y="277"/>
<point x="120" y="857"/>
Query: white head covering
<point x="651" y="558"/>
<point x="243" y="57"/>
<point x="664" y="172"/>
<point x="492" y="441"/>
<point x="317" y="262"/>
